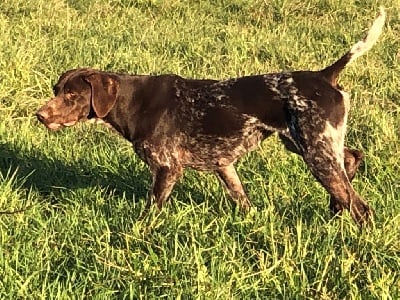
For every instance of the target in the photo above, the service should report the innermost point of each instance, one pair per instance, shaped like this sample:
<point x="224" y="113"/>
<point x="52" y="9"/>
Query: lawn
<point x="70" y="201"/>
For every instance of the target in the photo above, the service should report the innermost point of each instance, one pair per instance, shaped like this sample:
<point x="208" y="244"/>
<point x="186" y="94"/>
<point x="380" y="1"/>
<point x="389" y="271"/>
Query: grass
<point x="70" y="200"/>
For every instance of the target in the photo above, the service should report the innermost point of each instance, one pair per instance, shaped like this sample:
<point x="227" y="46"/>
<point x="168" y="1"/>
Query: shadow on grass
<point x="49" y="175"/>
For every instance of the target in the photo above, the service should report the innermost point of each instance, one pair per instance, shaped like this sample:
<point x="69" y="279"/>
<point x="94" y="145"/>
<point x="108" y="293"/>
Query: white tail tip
<point x="372" y="36"/>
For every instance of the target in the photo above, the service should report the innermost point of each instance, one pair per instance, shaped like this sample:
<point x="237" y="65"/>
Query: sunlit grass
<point x="70" y="201"/>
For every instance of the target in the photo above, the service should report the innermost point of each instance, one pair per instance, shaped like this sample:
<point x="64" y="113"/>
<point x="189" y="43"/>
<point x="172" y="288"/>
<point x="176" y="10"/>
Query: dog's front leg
<point x="234" y="186"/>
<point x="164" y="179"/>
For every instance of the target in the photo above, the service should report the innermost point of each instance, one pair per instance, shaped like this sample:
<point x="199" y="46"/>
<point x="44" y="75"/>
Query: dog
<point x="175" y="123"/>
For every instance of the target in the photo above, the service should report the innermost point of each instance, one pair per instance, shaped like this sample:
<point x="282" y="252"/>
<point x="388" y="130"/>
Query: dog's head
<point x="79" y="94"/>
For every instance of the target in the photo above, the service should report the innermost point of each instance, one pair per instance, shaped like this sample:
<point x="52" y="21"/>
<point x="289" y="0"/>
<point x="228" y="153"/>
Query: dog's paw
<point x="361" y="212"/>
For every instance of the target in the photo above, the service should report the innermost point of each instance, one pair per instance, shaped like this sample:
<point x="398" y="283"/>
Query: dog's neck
<point x="137" y="113"/>
<point x="125" y="126"/>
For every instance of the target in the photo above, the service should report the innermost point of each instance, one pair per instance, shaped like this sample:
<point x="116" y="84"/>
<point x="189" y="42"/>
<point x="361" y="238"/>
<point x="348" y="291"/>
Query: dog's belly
<point x="199" y="151"/>
<point x="218" y="136"/>
<point x="207" y="152"/>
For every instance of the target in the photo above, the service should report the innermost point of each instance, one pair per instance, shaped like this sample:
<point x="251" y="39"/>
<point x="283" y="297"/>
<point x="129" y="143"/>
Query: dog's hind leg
<point x="333" y="177"/>
<point x="352" y="160"/>
<point x="352" y="157"/>
<point x="327" y="164"/>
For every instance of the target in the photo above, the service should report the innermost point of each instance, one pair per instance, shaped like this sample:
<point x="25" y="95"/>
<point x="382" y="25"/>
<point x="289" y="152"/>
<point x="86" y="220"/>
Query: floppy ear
<point x="104" y="93"/>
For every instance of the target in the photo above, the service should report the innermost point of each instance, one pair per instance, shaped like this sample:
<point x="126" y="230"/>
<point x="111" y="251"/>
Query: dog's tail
<point x="358" y="49"/>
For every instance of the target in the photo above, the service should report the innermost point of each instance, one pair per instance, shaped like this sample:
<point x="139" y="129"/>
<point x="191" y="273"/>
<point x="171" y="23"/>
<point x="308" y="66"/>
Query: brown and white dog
<point x="176" y="123"/>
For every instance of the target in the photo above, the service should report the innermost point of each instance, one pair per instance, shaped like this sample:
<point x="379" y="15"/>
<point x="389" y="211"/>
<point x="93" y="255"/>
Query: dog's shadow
<point x="50" y="176"/>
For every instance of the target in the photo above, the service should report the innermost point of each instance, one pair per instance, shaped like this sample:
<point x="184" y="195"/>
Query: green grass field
<point x="70" y="200"/>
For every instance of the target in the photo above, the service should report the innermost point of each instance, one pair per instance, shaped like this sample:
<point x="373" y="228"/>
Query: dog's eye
<point x="70" y="95"/>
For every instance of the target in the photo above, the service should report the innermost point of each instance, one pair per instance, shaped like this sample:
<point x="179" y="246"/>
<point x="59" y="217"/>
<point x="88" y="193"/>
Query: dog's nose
<point x="42" y="115"/>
